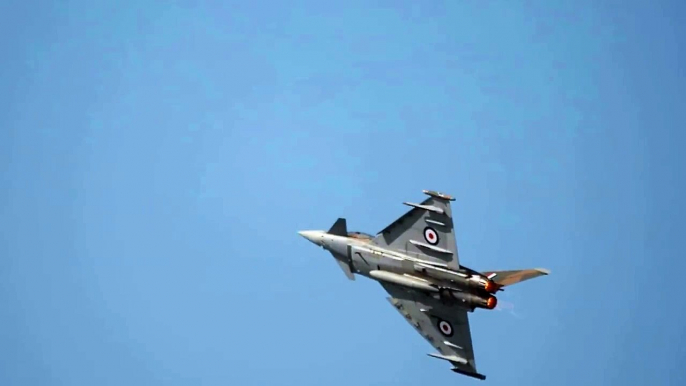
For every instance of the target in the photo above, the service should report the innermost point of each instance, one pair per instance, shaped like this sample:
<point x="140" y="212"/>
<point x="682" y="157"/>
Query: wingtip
<point x="436" y="194"/>
<point x="543" y="271"/>
<point x="469" y="374"/>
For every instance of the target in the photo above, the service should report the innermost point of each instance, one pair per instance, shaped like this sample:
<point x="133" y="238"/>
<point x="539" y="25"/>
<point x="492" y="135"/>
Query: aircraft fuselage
<point x="465" y="288"/>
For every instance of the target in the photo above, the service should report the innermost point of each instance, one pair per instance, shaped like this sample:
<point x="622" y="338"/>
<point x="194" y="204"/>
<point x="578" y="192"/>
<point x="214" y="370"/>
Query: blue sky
<point x="157" y="159"/>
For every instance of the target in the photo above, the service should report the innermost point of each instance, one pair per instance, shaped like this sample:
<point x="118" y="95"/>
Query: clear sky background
<point x="157" y="159"/>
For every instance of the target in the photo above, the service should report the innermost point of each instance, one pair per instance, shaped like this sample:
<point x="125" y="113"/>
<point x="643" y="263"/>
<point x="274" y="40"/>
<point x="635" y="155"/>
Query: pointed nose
<point x="313" y="236"/>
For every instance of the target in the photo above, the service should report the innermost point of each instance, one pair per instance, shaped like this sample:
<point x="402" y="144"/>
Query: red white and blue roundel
<point x="445" y="327"/>
<point x="430" y="235"/>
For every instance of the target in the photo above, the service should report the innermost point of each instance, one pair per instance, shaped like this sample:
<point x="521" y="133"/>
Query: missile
<point x="402" y="280"/>
<point x="461" y="280"/>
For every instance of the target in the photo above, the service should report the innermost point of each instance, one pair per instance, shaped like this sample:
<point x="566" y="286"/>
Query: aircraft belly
<point x="364" y="261"/>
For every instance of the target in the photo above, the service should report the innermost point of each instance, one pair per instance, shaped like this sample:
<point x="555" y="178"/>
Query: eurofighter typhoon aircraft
<point x="415" y="259"/>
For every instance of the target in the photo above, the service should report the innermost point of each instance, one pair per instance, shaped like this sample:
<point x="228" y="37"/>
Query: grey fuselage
<point x="365" y="258"/>
<point x="362" y="255"/>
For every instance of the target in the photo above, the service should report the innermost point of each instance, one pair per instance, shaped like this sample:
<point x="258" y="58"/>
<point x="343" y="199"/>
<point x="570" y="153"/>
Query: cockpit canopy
<point x="360" y="235"/>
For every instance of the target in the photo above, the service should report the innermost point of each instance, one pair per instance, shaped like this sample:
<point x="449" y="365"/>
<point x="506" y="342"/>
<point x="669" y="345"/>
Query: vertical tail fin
<point x="505" y="278"/>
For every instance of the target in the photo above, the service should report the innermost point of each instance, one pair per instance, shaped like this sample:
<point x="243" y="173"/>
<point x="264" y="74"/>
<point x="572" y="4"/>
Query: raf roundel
<point x="445" y="328"/>
<point x="430" y="236"/>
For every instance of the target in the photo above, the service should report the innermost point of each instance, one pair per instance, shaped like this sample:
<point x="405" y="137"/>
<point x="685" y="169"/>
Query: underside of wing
<point x="446" y="328"/>
<point x="426" y="231"/>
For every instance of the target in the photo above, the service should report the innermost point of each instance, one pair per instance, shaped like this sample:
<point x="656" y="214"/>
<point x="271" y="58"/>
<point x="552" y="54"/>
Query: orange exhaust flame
<point x="491" y="286"/>
<point x="491" y="302"/>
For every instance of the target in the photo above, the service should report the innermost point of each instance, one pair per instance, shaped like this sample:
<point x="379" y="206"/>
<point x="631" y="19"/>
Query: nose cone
<point x="313" y="236"/>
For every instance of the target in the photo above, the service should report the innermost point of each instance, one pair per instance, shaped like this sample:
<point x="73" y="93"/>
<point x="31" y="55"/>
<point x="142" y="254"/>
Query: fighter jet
<point x="415" y="259"/>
